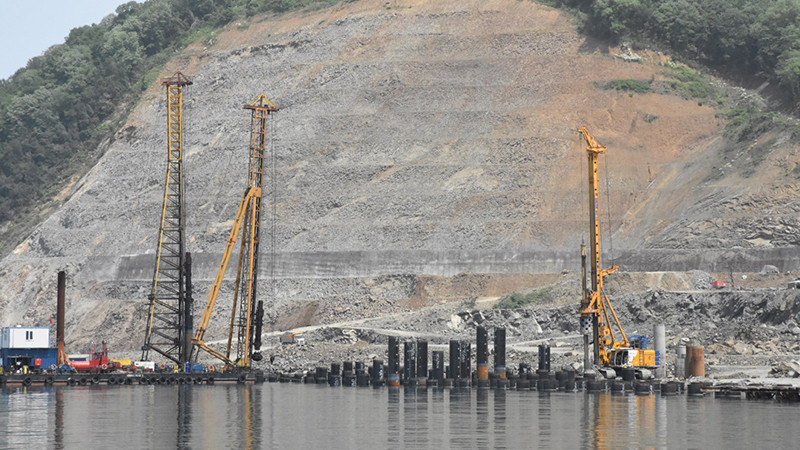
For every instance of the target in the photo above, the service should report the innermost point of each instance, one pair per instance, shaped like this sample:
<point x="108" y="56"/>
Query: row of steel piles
<point x="416" y="372"/>
<point x="346" y="374"/>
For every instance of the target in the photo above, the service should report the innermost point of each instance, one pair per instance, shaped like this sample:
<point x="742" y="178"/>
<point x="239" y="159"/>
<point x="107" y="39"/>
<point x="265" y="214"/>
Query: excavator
<point x="596" y="312"/>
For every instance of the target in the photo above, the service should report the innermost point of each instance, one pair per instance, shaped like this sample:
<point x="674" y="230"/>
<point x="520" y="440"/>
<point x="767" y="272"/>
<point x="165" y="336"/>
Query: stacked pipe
<point x="422" y="363"/>
<point x="661" y="348"/>
<point x="500" y="352"/>
<point x="465" y="357"/>
<point x="362" y="374"/>
<point x="322" y="375"/>
<point x="348" y="376"/>
<point x="437" y="369"/>
<point x="415" y="370"/>
<point x="393" y="371"/>
<point x="482" y="357"/>
<point x="680" y="361"/>
<point x="378" y="375"/>
<point x="545" y="381"/>
<point x="61" y="356"/>
<point x="455" y="352"/>
<point x="334" y="377"/>
<point x="544" y="360"/>
<point x="409" y="364"/>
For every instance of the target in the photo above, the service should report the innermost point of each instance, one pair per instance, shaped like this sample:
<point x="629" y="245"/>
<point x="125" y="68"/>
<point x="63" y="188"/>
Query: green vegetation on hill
<point x="637" y="86"/>
<point x="519" y="300"/>
<point x="680" y="80"/>
<point x="743" y="37"/>
<point x="56" y="111"/>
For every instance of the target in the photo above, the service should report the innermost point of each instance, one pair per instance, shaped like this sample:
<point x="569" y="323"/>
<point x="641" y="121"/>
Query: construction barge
<point x="28" y="358"/>
<point x="93" y="379"/>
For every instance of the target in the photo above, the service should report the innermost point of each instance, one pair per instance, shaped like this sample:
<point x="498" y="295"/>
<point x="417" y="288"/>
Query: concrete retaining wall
<point x="451" y="262"/>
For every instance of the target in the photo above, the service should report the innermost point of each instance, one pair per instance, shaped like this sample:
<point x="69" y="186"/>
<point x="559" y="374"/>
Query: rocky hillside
<point x="751" y="329"/>
<point x="417" y="140"/>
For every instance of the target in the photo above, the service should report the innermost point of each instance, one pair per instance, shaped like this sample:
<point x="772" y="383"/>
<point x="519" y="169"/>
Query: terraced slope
<point x="416" y="140"/>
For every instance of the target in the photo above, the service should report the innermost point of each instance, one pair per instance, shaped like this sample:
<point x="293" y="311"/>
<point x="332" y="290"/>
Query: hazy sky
<point x="28" y="28"/>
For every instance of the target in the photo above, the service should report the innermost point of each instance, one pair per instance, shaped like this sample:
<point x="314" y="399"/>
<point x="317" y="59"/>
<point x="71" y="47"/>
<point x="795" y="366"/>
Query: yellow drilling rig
<point x="596" y="311"/>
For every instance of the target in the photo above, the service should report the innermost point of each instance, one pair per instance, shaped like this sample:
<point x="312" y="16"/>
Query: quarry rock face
<point x="414" y="139"/>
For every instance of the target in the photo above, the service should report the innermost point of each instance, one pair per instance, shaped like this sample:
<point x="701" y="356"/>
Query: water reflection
<point x="59" y="428"/>
<point x="499" y="420"/>
<point x="637" y="420"/>
<point x="661" y="422"/>
<point x="184" y="416"/>
<point x="459" y="418"/>
<point x="394" y="418"/>
<point x="298" y="416"/>
<point x="542" y="418"/>
<point x="483" y="425"/>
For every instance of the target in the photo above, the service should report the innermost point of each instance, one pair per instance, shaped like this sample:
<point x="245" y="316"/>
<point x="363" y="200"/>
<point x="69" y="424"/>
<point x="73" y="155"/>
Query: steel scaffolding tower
<point x="169" y="320"/>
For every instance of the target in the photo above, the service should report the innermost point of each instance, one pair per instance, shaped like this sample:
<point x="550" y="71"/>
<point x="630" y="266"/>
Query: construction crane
<point x="596" y="311"/>
<point x="169" y="322"/>
<point x="247" y="313"/>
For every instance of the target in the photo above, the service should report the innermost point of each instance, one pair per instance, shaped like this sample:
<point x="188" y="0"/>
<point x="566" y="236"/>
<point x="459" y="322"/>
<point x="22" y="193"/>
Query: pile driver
<point x="169" y="319"/>
<point x="596" y="312"/>
<point x="247" y="313"/>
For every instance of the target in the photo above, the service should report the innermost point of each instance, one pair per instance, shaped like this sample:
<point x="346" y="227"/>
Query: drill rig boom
<point x="596" y="311"/>
<point x="247" y="313"/>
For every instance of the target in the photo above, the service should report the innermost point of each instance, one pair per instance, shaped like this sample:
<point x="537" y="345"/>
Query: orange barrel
<point x="695" y="361"/>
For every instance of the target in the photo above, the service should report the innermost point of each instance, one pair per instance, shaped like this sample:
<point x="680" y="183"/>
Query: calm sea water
<point x="294" y="416"/>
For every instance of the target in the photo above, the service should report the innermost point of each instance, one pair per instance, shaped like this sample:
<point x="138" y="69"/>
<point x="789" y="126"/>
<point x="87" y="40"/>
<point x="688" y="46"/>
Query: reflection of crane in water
<point x="252" y="425"/>
<point x="184" y="418"/>
<point x="247" y="313"/>
<point x="198" y="415"/>
<point x="641" y="419"/>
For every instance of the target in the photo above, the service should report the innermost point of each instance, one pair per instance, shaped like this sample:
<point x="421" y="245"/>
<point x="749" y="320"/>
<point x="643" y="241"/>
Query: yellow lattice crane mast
<point x="247" y="313"/>
<point x="596" y="311"/>
<point x="169" y="322"/>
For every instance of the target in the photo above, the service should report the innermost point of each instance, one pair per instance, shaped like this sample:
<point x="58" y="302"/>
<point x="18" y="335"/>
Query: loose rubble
<point x="740" y="329"/>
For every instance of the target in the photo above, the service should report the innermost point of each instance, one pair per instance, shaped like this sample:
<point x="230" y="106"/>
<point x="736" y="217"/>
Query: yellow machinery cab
<point x="632" y="357"/>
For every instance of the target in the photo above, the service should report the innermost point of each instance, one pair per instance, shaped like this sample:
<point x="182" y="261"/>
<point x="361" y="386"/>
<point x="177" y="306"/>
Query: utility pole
<point x="169" y="313"/>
